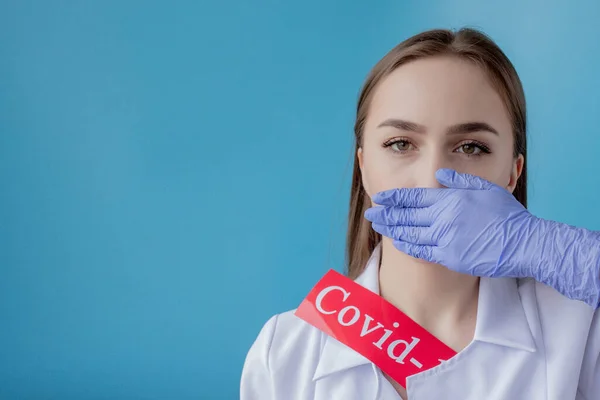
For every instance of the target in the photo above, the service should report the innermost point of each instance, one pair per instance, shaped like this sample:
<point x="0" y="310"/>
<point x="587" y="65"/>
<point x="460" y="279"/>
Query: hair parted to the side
<point x="468" y="44"/>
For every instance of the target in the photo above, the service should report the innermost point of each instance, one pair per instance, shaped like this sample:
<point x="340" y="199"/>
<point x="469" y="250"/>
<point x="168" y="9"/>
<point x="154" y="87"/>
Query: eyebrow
<point x="467" y="127"/>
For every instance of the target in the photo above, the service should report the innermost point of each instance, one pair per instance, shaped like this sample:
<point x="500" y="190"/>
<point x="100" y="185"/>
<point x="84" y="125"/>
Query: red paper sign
<point x="372" y="326"/>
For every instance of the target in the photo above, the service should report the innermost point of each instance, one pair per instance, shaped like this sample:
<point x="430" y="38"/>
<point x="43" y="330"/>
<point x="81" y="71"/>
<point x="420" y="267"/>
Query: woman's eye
<point x="469" y="148"/>
<point x="400" y="146"/>
<point x="473" y="149"/>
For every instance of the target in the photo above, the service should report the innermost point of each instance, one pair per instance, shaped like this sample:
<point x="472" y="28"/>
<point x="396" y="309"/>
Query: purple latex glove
<point x="479" y="228"/>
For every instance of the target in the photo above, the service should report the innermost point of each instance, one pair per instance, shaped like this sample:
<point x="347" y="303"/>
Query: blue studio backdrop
<point x="175" y="172"/>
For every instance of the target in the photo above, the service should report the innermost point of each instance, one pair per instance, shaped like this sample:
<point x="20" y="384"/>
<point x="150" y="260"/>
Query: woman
<point x="438" y="100"/>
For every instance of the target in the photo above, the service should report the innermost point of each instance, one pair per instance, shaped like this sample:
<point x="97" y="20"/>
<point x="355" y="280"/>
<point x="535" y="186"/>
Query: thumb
<point x="456" y="180"/>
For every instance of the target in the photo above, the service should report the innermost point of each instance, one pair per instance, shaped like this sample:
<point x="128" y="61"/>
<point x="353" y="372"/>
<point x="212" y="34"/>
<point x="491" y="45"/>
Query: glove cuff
<point x="569" y="261"/>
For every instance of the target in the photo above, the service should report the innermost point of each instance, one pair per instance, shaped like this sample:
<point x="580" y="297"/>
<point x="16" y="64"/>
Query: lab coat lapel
<point x="336" y="356"/>
<point x="501" y="319"/>
<point x="501" y="328"/>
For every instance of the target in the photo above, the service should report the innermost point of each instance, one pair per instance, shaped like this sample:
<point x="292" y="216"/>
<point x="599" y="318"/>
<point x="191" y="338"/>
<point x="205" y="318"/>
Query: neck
<point x="431" y="294"/>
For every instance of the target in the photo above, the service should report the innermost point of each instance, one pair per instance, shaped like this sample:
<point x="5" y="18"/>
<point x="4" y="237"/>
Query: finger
<point x="418" y="235"/>
<point x="418" y="251"/>
<point x="399" y="216"/>
<point x="408" y="197"/>
<point x="456" y="180"/>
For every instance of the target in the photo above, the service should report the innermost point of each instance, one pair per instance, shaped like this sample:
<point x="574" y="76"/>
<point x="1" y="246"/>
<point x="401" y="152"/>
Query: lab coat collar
<point x="501" y="320"/>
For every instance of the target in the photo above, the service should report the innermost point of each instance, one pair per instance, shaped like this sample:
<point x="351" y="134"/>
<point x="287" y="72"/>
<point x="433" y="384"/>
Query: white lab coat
<point x="530" y="343"/>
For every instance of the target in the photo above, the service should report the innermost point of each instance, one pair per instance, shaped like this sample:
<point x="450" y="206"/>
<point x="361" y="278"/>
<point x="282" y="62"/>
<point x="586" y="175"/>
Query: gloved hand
<point x="479" y="228"/>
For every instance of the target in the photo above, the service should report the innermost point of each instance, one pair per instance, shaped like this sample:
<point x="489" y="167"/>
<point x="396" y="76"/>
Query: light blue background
<point x="174" y="173"/>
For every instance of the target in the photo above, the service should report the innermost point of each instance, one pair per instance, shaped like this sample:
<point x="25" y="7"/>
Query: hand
<point x="473" y="227"/>
<point x="478" y="228"/>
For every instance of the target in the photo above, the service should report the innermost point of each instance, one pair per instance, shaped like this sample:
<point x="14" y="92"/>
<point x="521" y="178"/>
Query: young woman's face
<point x="438" y="112"/>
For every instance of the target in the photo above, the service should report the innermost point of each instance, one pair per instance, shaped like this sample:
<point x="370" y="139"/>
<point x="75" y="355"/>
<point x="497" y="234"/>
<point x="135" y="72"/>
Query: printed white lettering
<point x="408" y="348"/>
<point x="365" y="329"/>
<point x="385" y="337"/>
<point x="350" y="315"/>
<point x="324" y="292"/>
<point x="353" y="319"/>
<point x="416" y="363"/>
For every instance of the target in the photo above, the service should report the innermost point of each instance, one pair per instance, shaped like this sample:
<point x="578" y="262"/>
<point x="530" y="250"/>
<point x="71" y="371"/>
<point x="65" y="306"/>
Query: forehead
<point x="439" y="91"/>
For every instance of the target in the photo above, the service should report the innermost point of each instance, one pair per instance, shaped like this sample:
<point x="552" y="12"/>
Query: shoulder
<point x="570" y="332"/>
<point x="589" y="381"/>
<point x="286" y="337"/>
<point x="556" y="315"/>
<point x="286" y="351"/>
<point x="553" y="307"/>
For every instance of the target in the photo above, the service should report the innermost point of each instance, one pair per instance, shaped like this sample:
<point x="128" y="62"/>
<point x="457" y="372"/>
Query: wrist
<point x="569" y="261"/>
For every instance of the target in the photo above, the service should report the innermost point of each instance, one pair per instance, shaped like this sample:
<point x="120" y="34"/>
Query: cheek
<point x="380" y="174"/>
<point x="494" y="168"/>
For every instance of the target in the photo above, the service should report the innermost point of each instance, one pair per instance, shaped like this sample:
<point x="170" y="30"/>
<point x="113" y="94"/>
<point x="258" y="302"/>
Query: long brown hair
<point x="468" y="44"/>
